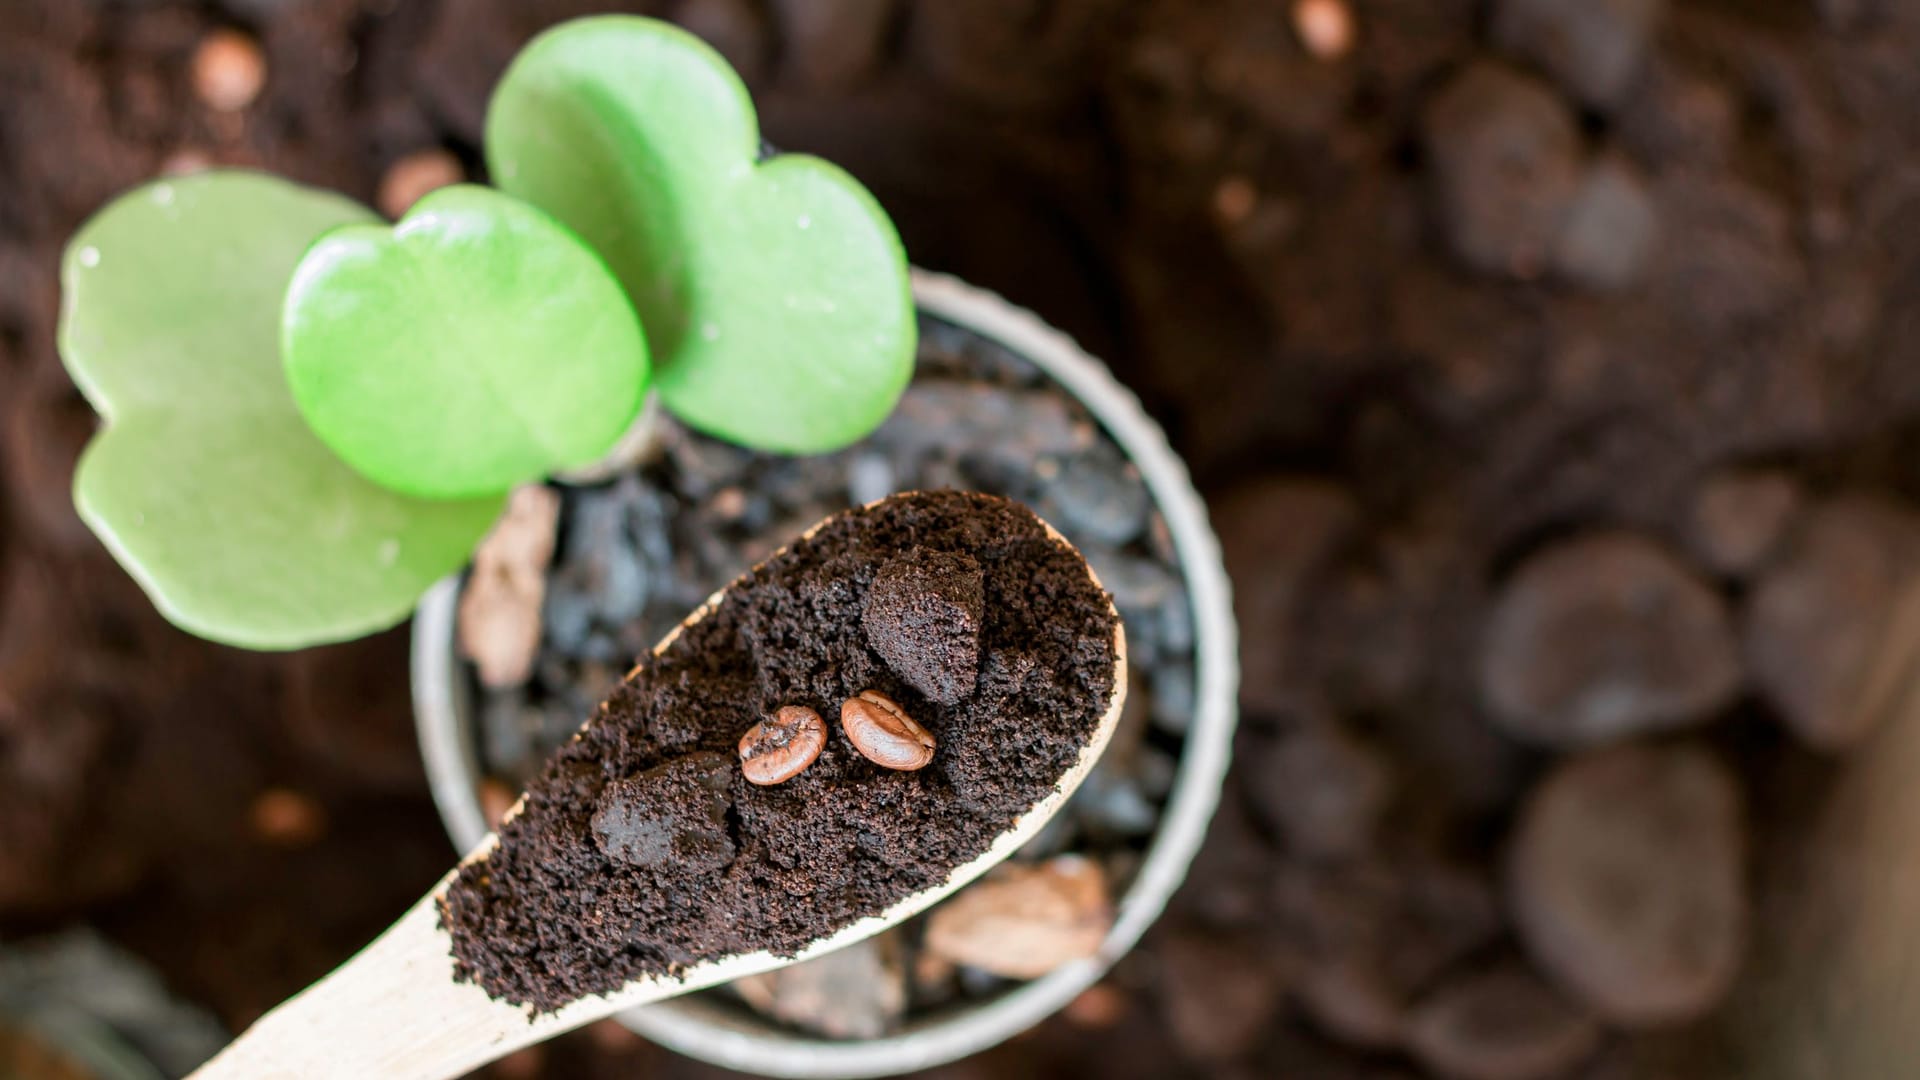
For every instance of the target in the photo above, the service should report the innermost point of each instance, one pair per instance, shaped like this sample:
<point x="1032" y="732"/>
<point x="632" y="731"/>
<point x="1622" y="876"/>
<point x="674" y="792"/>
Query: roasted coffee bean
<point x="884" y="733"/>
<point x="780" y="747"/>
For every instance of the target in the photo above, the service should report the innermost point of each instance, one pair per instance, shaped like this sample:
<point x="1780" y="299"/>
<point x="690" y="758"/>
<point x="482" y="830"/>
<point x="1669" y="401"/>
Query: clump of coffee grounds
<point x="549" y="917"/>
<point x="923" y="618"/>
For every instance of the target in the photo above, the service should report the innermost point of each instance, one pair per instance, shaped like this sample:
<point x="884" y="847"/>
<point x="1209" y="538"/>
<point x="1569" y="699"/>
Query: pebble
<point x="1626" y="877"/>
<point x="285" y="818"/>
<point x="1504" y="1024"/>
<point x="1000" y="426"/>
<point x="1731" y="247"/>
<point x="1739" y="518"/>
<point x="1138" y="584"/>
<point x="1176" y="621"/>
<point x="1829" y="621"/>
<point x="186" y="161"/>
<point x="1610" y="231"/>
<point x="1595" y="49"/>
<point x="1098" y="495"/>
<point x="1098" y="1008"/>
<point x="1218" y="1004"/>
<point x="869" y="479"/>
<point x="228" y="71"/>
<point x="702" y="466"/>
<point x="804" y="483"/>
<point x="1325" y="27"/>
<point x="510" y="729"/>
<point x="603" y="579"/>
<point x="1023" y="920"/>
<point x="1451" y="911"/>
<point x="1321" y="790"/>
<point x="1690" y="117"/>
<point x="413" y="176"/>
<point x="1113" y="806"/>
<point x="728" y="504"/>
<point x="1505" y="157"/>
<point x="1234" y="200"/>
<point x="978" y="983"/>
<point x="858" y="992"/>
<point x="832" y="44"/>
<point x="499" y="615"/>
<point x="1155" y="773"/>
<point x="674" y="814"/>
<point x="1350" y="1001"/>
<point x="650" y="519"/>
<point x="1374" y="930"/>
<point x="1604" y="636"/>
<point x="1236" y="862"/>
<point x="1276" y="534"/>
<point x="1174" y="698"/>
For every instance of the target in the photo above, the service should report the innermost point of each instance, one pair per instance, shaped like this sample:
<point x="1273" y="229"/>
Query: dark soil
<point x="1393" y="397"/>
<point x="642" y="850"/>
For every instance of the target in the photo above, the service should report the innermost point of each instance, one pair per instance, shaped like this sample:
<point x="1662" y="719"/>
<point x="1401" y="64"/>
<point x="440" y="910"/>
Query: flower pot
<point x="719" y="1031"/>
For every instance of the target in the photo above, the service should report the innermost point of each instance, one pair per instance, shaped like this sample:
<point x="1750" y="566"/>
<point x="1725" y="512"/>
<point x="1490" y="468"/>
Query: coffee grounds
<point x="923" y="617"/>
<point x="549" y="917"/>
<point x="673" y="816"/>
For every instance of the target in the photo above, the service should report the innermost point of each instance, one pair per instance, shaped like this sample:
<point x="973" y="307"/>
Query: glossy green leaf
<point x="474" y="346"/>
<point x="205" y="483"/>
<point x="775" y="295"/>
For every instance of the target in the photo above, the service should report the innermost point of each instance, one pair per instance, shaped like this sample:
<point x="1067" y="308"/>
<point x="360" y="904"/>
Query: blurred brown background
<point x="1456" y="308"/>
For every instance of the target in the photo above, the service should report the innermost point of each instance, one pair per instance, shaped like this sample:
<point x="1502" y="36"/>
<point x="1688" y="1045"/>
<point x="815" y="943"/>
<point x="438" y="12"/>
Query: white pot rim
<point x="734" y="1040"/>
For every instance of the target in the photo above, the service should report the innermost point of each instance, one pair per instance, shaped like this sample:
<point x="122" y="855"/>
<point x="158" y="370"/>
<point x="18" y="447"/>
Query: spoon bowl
<point x="395" y="1010"/>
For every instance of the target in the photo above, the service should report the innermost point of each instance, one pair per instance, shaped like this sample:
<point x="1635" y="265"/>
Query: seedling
<point x="310" y="416"/>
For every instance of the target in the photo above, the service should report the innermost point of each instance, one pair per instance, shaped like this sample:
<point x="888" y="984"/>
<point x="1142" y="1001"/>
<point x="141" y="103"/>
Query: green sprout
<point x="310" y="416"/>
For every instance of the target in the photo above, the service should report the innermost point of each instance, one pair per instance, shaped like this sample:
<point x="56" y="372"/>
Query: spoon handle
<point x="392" y="1011"/>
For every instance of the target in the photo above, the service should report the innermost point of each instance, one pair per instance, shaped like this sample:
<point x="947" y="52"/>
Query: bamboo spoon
<point x="394" y="1011"/>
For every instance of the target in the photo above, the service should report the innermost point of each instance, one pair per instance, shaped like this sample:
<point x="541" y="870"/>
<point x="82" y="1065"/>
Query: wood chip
<point x="499" y="624"/>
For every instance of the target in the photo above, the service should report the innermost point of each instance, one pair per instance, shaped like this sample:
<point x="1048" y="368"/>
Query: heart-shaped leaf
<point x="775" y="295"/>
<point x="205" y="483"/>
<point x="474" y="346"/>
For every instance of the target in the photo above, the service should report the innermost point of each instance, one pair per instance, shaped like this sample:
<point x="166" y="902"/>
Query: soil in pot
<point x="636" y="554"/>
<point x="649" y="844"/>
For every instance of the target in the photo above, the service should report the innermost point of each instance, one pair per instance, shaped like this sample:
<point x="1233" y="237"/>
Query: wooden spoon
<point x="394" y="1011"/>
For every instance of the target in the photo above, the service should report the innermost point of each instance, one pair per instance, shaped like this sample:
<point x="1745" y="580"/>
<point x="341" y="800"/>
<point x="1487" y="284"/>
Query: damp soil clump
<point x="636" y="854"/>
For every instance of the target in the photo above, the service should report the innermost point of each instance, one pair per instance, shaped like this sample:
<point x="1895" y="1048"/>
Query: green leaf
<point x="775" y="295"/>
<point x="474" y="346"/>
<point x="205" y="483"/>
